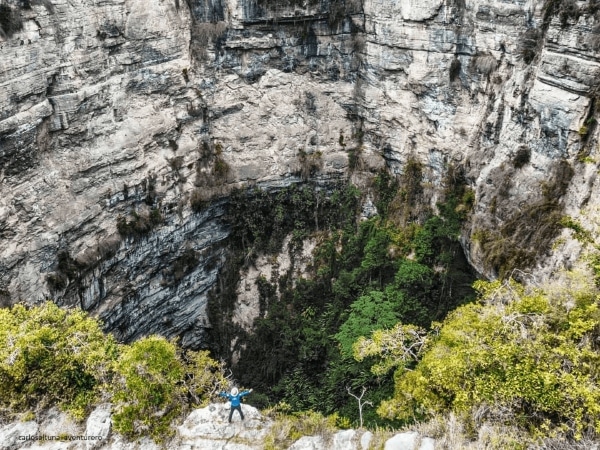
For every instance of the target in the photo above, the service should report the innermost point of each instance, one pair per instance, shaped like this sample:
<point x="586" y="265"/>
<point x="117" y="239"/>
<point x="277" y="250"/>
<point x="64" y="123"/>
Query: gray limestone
<point x="107" y="107"/>
<point x="308" y="443"/>
<point x="12" y="435"/>
<point x="98" y="424"/>
<point x="365" y="440"/>
<point x="403" y="441"/>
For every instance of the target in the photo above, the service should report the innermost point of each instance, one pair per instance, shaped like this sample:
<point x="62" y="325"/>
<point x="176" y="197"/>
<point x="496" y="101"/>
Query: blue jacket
<point x="234" y="399"/>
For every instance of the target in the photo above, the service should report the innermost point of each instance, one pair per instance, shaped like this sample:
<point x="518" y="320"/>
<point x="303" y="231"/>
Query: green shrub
<point x="204" y="377"/>
<point x="580" y="233"/>
<point x="220" y="168"/>
<point x="529" y="354"/>
<point x="51" y="356"/>
<point x="146" y="392"/>
<point x="155" y="384"/>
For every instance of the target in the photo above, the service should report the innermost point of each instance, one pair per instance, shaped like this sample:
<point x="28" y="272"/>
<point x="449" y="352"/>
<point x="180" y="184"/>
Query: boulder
<point x="427" y="443"/>
<point x="98" y="426"/>
<point x="402" y="441"/>
<point x="365" y="440"/>
<point x="308" y="443"/>
<point x="14" y="435"/>
<point x="211" y="423"/>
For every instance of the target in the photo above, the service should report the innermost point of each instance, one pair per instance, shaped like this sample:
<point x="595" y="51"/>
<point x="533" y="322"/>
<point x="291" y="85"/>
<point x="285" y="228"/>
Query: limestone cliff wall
<point x="127" y="111"/>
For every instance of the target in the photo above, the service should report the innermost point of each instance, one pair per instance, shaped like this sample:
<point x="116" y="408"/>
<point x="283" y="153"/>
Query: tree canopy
<point x="526" y="355"/>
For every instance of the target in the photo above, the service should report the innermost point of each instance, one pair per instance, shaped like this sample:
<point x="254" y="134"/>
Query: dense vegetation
<point x="522" y="356"/>
<point x="386" y="308"/>
<point x="403" y="265"/>
<point x="51" y="356"/>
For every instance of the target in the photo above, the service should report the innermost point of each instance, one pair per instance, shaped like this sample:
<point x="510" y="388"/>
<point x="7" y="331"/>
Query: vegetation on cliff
<point x="524" y="356"/>
<point x="51" y="356"/>
<point x="386" y="308"/>
<point x="405" y="265"/>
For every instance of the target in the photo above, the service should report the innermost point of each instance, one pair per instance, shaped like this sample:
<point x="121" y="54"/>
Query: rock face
<point x="208" y="428"/>
<point x="120" y="118"/>
<point x="204" y="429"/>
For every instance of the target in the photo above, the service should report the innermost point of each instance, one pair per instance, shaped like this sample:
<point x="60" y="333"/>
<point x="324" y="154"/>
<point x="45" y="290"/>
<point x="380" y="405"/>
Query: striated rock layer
<point x="119" y="119"/>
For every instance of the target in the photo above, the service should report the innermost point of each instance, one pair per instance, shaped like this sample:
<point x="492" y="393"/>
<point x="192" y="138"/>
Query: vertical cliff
<point x="121" y="120"/>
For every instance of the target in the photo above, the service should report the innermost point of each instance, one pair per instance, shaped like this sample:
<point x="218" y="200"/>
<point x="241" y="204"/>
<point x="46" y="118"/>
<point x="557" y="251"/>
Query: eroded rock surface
<point x="116" y="117"/>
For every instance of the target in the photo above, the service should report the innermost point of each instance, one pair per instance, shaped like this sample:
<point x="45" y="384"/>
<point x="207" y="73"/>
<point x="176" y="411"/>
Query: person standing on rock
<point x="235" y="398"/>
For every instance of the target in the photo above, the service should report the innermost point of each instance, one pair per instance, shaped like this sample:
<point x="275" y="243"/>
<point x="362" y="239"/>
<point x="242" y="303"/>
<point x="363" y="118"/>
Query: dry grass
<point x="205" y="33"/>
<point x="485" y="64"/>
<point x="289" y="428"/>
<point x="309" y="163"/>
<point x="453" y="432"/>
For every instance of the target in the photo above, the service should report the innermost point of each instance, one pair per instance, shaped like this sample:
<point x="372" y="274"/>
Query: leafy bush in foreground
<point x="527" y="356"/>
<point x="51" y="356"/>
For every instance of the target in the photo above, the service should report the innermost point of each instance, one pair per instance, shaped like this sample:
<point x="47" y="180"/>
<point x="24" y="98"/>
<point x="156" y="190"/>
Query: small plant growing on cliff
<point x="594" y="38"/>
<point x="530" y="43"/>
<point x="199" y="200"/>
<point x="220" y="168"/>
<point x="522" y="157"/>
<point x="203" y="34"/>
<point x="140" y="224"/>
<point x="10" y="21"/>
<point x="27" y="4"/>
<point x="566" y="10"/>
<point x="455" y="66"/>
<point x="485" y="64"/>
<point x="184" y="264"/>
<point x="310" y="163"/>
<point x="355" y="160"/>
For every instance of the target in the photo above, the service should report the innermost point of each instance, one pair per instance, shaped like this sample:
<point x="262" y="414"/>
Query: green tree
<point x="204" y="377"/>
<point x="370" y="312"/>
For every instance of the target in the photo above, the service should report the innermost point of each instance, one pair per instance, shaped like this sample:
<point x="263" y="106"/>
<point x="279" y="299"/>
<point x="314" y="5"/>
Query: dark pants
<point x="239" y="408"/>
